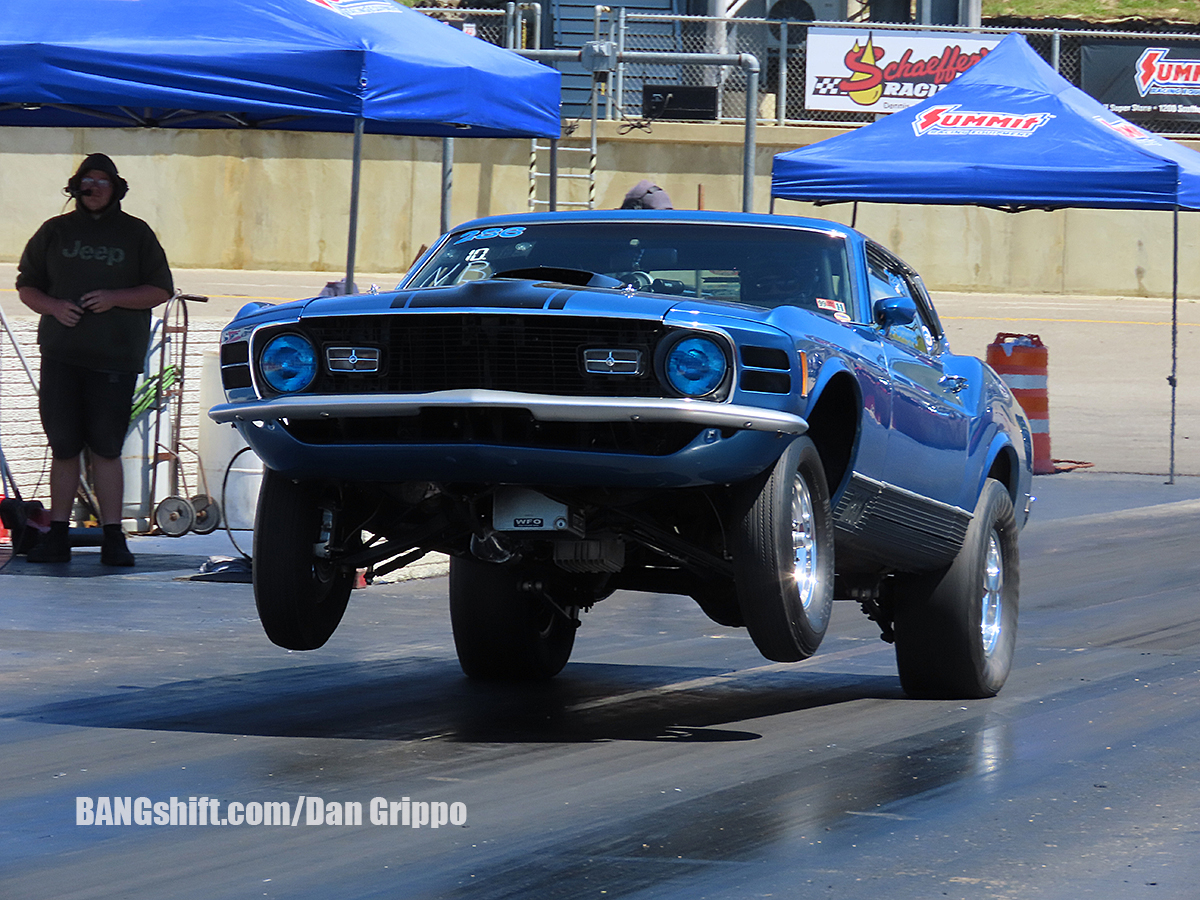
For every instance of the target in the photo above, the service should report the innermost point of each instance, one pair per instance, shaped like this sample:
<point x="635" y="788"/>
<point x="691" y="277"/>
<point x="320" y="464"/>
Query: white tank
<point x="137" y="463"/>
<point x="218" y="445"/>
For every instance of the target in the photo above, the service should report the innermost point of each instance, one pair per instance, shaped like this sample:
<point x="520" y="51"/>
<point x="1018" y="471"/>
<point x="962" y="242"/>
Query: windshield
<point x="762" y="266"/>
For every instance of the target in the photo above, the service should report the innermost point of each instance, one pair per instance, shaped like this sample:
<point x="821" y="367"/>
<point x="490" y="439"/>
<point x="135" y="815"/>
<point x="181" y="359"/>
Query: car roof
<point x="673" y="216"/>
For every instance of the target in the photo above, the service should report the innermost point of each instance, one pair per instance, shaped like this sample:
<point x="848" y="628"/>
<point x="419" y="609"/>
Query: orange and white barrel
<point x="1022" y="360"/>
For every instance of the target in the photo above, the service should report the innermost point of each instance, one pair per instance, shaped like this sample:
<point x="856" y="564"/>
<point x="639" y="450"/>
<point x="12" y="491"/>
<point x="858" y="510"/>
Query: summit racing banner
<point x="953" y="120"/>
<point x="1138" y="80"/>
<point x="849" y="70"/>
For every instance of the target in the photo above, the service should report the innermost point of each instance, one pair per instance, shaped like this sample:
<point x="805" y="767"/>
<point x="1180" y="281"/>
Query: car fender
<point x="822" y="369"/>
<point x="839" y="438"/>
<point x="1005" y="432"/>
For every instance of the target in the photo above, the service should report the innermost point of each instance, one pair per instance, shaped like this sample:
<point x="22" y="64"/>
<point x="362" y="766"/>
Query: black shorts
<point x="82" y="407"/>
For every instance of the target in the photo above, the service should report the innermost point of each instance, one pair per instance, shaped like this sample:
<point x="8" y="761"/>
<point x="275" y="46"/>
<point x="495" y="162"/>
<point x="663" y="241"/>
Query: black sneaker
<point x="114" y="552"/>
<point x="54" y="546"/>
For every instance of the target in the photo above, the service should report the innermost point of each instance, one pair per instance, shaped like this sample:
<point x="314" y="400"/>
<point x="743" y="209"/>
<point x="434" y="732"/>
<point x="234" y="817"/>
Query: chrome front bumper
<point x="543" y="407"/>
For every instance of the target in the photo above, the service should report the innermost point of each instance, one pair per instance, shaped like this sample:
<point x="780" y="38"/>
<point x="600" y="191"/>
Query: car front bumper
<point x="734" y="441"/>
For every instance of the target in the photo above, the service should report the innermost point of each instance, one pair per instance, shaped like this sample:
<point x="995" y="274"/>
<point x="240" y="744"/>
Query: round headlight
<point x="288" y="363"/>
<point x="696" y="366"/>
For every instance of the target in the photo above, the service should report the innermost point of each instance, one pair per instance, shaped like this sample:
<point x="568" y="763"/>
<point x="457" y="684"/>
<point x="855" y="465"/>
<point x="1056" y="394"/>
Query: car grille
<point x="532" y="354"/>
<point x="498" y="427"/>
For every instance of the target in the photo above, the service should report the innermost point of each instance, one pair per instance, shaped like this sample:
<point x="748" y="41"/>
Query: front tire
<point x="300" y="595"/>
<point x="783" y="556"/>
<point x="956" y="629"/>
<point x="501" y="631"/>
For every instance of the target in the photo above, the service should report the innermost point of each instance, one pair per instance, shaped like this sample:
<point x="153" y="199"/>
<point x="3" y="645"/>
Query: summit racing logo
<point x="351" y="8"/>
<point x="1154" y="73"/>
<point x="1127" y="129"/>
<point x="951" y="120"/>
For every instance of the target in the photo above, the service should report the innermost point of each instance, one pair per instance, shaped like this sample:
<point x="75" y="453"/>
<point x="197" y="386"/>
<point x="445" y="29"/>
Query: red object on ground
<point x="1022" y="360"/>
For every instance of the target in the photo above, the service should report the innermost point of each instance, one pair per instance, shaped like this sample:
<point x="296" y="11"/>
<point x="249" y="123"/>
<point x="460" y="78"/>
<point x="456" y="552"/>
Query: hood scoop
<point x="542" y="287"/>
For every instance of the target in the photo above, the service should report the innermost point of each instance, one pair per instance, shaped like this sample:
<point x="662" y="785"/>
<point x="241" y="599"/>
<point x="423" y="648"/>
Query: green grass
<point x="1096" y="10"/>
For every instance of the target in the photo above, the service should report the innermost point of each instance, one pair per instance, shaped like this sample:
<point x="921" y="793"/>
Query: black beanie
<point x="100" y="162"/>
<point x="97" y="161"/>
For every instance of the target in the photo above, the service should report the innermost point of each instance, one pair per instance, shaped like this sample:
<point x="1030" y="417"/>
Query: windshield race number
<point x="489" y="233"/>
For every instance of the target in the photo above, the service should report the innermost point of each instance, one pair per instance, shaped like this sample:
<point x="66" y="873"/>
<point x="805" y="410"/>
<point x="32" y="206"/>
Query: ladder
<point x="544" y="169"/>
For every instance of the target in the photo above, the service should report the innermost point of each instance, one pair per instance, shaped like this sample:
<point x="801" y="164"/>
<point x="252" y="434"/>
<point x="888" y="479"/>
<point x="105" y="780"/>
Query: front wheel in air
<point x="300" y="593"/>
<point x="782" y="543"/>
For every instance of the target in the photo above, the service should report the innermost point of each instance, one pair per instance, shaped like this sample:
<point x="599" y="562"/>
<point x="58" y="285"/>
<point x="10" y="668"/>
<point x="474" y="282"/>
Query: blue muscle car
<point x="760" y="412"/>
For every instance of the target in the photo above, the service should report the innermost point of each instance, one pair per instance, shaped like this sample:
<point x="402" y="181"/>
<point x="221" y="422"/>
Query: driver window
<point x="888" y="280"/>
<point x="917" y="334"/>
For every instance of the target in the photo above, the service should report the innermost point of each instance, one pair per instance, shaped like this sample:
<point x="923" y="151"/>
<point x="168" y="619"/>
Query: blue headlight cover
<point x="288" y="363"/>
<point x="696" y="366"/>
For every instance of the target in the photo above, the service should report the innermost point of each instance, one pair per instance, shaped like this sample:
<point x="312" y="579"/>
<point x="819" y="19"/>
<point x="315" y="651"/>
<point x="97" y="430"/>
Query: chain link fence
<point x="779" y="46"/>
<point x="515" y="26"/>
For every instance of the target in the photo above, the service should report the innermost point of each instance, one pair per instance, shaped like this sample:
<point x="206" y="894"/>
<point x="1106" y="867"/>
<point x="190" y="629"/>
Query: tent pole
<point x="447" y="180"/>
<point x="750" y="64"/>
<point x="1174" y="338"/>
<point x="355" y="174"/>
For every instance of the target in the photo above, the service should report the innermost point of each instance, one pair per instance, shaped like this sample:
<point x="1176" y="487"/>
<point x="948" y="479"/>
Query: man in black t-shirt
<point x="93" y="274"/>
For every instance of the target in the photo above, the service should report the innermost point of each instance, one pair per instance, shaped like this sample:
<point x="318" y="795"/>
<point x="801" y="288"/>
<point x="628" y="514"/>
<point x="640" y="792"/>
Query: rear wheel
<point x="956" y="628"/>
<point x="300" y="593"/>
<point x="503" y="630"/>
<point x="783" y="556"/>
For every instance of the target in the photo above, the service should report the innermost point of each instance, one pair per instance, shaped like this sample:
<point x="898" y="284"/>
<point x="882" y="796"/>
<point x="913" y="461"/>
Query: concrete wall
<point x="247" y="201"/>
<point x="280" y="200"/>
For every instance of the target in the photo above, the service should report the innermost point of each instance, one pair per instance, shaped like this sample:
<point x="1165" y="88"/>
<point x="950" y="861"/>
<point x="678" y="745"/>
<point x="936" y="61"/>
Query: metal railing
<point x="780" y="45"/>
<point x="602" y="58"/>
<point x="516" y="25"/>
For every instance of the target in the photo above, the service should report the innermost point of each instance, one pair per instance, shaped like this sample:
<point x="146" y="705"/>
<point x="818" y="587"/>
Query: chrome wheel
<point x="956" y="628"/>
<point x="804" y="544"/>
<point x="783" y="555"/>
<point x="990" y="622"/>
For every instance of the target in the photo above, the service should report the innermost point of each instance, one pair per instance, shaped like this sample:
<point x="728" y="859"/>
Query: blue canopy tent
<point x="1009" y="133"/>
<point x="304" y="65"/>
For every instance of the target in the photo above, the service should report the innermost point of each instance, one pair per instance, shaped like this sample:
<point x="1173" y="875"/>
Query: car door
<point x="927" y="449"/>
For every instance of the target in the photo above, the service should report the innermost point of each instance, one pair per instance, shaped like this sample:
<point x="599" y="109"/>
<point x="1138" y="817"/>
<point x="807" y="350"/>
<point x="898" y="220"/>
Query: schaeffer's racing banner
<point x="851" y="70"/>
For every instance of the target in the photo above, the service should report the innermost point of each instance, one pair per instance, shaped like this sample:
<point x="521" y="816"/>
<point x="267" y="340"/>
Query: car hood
<point x="501" y="294"/>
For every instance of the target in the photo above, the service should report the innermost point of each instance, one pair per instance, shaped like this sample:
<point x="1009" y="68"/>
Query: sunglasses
<point x="96" y="182"/>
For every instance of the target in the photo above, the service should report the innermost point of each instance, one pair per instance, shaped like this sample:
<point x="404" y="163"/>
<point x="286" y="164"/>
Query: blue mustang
<point x="760" y="412"/>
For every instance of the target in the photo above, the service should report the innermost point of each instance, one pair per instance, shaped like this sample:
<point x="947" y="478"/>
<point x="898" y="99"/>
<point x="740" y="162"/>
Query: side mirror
<point x="896" y="310"/>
